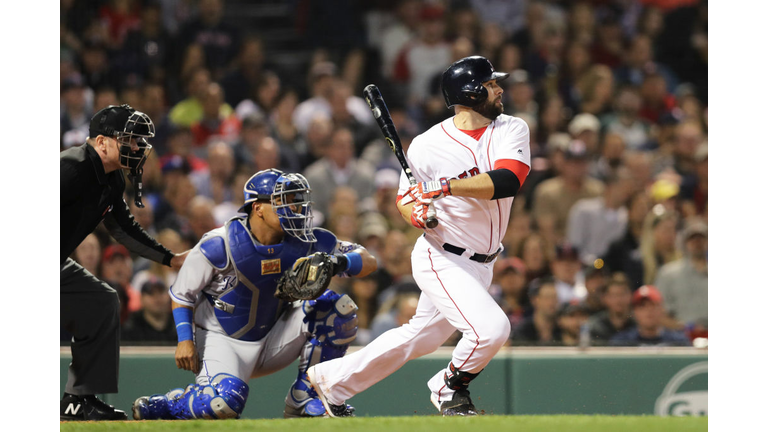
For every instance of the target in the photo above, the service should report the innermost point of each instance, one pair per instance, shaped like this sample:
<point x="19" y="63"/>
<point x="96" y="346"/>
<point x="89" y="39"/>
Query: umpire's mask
<point x="131" y="129"/>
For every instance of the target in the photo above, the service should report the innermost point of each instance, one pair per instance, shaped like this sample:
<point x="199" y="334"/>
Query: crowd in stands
<point x="607" y="244"/>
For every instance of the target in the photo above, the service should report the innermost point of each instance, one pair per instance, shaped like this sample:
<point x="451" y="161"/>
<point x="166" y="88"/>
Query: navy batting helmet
<point x="462" y="82"/>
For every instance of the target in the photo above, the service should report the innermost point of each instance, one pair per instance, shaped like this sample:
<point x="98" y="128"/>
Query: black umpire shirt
<point x="88" y="196"/>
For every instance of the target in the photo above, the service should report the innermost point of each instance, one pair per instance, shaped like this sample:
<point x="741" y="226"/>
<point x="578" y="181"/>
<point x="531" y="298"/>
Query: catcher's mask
<point x="130" y="128"/>
<point x="289" y="195"/>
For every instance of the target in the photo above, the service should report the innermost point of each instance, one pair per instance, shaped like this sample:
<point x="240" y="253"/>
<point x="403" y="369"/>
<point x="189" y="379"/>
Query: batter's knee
<point x="495" y="330"/>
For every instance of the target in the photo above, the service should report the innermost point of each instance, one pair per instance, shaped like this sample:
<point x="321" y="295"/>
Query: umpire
<point x="92" y="186"/>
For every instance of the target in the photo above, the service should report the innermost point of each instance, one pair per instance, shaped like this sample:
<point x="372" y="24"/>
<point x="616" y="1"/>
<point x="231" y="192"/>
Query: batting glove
<point x="419" y="213"/>
<point x="434" y="189"/>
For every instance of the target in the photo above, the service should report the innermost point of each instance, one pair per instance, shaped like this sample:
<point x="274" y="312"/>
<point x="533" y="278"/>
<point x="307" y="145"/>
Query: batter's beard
<point x="489" y="109"/>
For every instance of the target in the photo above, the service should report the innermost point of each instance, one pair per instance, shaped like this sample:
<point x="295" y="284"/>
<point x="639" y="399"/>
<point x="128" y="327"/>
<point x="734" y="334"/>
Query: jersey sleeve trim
<point x="520" y="169"/>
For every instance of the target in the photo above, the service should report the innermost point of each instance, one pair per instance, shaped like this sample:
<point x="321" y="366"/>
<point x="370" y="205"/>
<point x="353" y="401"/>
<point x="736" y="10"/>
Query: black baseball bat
<point x="381" y="114"/>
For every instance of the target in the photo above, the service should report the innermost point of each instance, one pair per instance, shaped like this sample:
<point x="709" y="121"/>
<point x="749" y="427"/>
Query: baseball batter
<point x="226" y="290"/>
<point x="470" y="167"/>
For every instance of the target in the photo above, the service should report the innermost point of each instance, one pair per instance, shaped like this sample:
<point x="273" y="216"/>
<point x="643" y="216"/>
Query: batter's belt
<point x="481" y="258"/>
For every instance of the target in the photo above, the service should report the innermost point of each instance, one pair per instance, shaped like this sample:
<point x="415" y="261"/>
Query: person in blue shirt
<point x="648" y="311"/>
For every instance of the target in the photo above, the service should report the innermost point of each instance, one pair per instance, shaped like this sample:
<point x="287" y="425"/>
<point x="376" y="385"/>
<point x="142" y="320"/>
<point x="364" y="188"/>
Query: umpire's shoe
<point x="332" y="410"/>
<point x="460" y="405"/>
<point x="88" y="407"/>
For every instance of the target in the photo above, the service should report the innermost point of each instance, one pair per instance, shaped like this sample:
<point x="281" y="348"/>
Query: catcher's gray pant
<point x="283" y="344"/>
<point x="90" y="312"/>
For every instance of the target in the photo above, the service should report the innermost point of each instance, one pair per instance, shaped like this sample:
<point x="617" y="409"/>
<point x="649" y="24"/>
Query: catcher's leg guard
<point x="156" y="407"/>
<point x="224" y="398"/>
<point x="333" y="323"/>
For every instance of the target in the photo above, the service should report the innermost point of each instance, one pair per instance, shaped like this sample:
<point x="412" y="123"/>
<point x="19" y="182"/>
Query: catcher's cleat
<point x="313" y="408"/>
<point x="88" y="407"/>
<point x="332" y="410"/>
<point x="460" y="405"/>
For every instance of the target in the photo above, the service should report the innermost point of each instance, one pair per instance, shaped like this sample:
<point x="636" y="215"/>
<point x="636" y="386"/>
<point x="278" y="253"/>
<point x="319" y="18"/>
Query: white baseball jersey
<point x="454" y="288"/>
<point x="446" y="151"/>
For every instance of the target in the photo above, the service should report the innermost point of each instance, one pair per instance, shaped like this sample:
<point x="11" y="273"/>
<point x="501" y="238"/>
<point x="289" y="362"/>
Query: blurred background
<point x="607" y="244"/>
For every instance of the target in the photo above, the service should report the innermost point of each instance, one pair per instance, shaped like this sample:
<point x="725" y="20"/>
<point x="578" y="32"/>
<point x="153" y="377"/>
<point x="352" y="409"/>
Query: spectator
<point x="283" y="130"/>
<point x="96" y="68"/>
<point x="568" y="275"/>
<point x="88" y="254"/>
<point x="595" y="90"/>
<point x="518" y="230"/>
<point x="554" y="198"/>
<point x="570" y="319"/>
<point x="617" y="316"/>
<point x="214" y="182"/>
<point x="145" y="52"/>
<point x="694" y="190"/>
<point x="423" y="57"/>
<point x="362" y="133"/>
<point x="242" y="81"/>
<point x="595" y="223"/>
<point x="594" y="283"/>
<point x="213" y="123"/>
<point x="153" y="103"/>
<point x="626" y="122"/>
<point x="533" y="252"/>
<point x="657" y="243"/>
<point x="520" y="93"/>
<point x="339" y="167"/>
<point x="153" y="323"/>
<point x="117" y="269"/>
<point x="119" y="17"/>
<point x="640" y="59"/>
<point x="394" y="38"/>
<point x="363" y="292"/>
<point x="263" y="96"/>
<point x="585" y="127"/>
<point x="513" y="293"/>
<point x="648" y="311"/>
<point x="541" y="327"/>
<point x="683" y="283"/>
<point x="508" y="14"/>
<point x="624" y="254"/>
<point x="611" y="158"/>
<point x="576" y="62"/>
<point x="190" y="110"/>
<point x="322" y="77"/>
<point x="608" y="47"/>
<point x="657" y="101"/>
<point x="220" y="40"/>
<point x="400" y="314"/>
<point x="200" y="216"/>
<point x="75" y="115"/>
<point x="689" y="137"/>
<point x="181" y="152"/>
<point x="154" y="271"/>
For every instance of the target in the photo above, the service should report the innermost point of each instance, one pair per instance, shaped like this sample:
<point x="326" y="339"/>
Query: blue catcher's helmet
<point x="289" y="195"/>
<point x="462" y="82"/>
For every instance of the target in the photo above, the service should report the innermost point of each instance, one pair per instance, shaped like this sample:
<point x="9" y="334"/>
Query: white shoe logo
<point x="72" y="409"/>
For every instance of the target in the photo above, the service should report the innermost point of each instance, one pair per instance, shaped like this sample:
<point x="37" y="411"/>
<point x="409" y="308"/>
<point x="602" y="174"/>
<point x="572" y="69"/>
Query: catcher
<point x="252" y="297"/>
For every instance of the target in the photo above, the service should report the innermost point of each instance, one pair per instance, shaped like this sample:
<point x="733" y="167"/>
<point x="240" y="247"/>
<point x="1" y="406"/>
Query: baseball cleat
<point x="88" y="407"/>
<point x="332" y="410"/>
<point x="313" y="408"/>
<point x="460" y="405"/>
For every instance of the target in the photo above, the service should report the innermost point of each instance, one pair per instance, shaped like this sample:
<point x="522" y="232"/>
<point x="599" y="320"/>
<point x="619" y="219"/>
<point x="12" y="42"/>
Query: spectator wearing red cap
<point x="117" y="269"/>
<point x="648" y="311"/>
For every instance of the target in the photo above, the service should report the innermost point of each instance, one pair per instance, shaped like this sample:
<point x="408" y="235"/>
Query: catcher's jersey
<point x="230" y="278"/>
<point x="446" y="151"/>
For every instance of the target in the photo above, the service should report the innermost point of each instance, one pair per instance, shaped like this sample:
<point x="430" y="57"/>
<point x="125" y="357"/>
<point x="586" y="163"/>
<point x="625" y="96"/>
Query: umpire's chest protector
<point x="248" y="310"/>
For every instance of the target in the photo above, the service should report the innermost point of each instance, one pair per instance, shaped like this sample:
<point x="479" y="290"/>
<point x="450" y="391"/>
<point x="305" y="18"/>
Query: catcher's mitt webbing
<point x="308" y="278"/>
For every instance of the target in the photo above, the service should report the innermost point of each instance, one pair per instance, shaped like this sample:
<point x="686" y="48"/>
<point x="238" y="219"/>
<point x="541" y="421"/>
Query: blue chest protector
<point x="249" y="310"/>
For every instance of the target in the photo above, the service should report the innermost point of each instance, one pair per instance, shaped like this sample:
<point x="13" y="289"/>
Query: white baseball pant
<point x="454" y="296"/>
<point x="283" y="344"/>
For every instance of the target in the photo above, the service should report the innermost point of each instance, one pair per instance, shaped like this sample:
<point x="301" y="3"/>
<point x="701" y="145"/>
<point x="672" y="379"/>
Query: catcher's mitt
<point x="308" y="278"/>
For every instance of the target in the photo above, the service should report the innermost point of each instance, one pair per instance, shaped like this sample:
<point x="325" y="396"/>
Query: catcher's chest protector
<point x="249" y="309"/>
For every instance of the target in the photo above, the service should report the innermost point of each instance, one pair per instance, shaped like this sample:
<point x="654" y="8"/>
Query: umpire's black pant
<point x="90" y="312"/>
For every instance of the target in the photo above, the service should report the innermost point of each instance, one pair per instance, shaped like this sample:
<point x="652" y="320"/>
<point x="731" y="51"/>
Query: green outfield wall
<point x="670" y="381"/>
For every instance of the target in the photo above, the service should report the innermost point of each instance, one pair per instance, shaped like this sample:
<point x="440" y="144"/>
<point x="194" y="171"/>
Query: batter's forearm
<point x="479" y="186"/>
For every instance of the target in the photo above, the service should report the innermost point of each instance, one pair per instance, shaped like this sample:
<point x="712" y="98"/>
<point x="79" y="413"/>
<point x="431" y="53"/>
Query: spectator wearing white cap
<point x="585" y="127"/>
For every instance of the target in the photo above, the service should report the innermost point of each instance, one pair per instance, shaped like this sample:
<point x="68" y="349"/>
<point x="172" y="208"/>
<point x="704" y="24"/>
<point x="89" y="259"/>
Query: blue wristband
<point x="354" y="263"/>
<point x="183" y="318"/>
